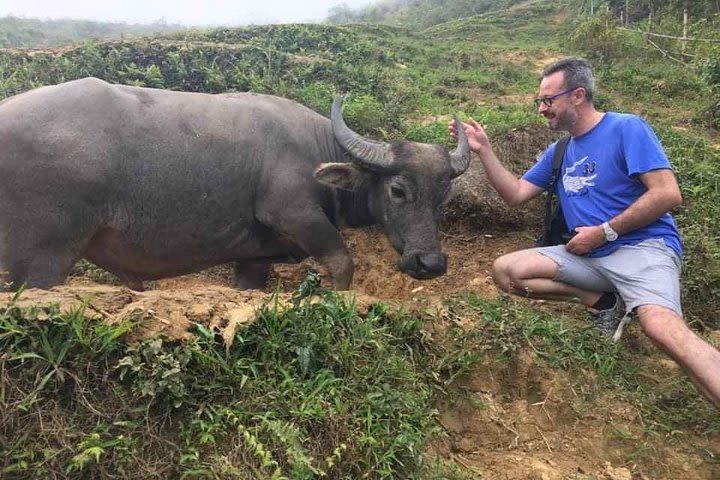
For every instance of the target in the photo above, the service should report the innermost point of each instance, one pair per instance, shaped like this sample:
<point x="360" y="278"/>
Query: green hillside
<point x="417" y="13"/>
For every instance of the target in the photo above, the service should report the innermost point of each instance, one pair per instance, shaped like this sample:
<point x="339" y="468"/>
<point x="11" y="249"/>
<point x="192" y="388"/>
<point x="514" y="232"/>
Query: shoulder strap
<point x="551" y="203"/>
<point x="557" y="161"/>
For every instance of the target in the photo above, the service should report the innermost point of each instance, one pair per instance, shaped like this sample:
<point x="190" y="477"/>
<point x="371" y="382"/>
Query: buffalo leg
<point x="251" y="275"/>
<point x="5" y="281"/>
<point x="41" y="252"/>
<point x="321" y="240"/>
<point x="43" y="269"/>
<point x="305" y="223"/>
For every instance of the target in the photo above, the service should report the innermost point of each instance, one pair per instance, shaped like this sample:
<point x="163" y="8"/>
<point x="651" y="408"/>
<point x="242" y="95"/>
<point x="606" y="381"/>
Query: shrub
<point x="709" y="67"/>
<point x="598" y="38"/>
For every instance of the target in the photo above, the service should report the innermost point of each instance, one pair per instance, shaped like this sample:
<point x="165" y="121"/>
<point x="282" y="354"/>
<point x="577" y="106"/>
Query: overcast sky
<point x="186" y="12"/>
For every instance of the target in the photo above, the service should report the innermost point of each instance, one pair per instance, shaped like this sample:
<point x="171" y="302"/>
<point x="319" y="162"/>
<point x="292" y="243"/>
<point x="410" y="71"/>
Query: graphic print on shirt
<point x="578" y="184"/>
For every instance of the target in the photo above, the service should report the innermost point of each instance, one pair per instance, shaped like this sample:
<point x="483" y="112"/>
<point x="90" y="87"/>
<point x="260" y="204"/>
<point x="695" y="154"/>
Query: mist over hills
<point x="416" y="13"/>
<point x="17" y="32"/>
<point x="31" y="32"/>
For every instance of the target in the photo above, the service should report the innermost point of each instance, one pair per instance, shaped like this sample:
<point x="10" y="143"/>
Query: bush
<point x="598" y="38"/>
<point x="709" y="67"/>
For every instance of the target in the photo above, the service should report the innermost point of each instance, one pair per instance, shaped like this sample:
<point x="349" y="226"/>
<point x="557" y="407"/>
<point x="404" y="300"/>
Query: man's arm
<point x="663" y="194"/>
<point x="513" y="190"/>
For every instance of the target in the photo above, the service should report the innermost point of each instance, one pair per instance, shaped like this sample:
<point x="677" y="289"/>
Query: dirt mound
<point x="522" y="420"/>
<point x="172" y="313"/>
<point x="478" y="206"/>
<point x="173" y="306"/>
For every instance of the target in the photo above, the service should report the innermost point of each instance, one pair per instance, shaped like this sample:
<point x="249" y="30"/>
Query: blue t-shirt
<point x="599" y="178"/>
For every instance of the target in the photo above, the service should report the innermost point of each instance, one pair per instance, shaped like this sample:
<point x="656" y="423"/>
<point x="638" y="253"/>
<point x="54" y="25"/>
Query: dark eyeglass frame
<point x="548" y="101"/>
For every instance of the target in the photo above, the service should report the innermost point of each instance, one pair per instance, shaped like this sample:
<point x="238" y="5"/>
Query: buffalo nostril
<point x="424" y="265"/>
<point x="432" y="261"/>
<point x="435" y="263"/>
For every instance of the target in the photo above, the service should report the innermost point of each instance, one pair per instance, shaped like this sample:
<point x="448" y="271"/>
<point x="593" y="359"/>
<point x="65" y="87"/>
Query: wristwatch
<point x="610" y="234"/>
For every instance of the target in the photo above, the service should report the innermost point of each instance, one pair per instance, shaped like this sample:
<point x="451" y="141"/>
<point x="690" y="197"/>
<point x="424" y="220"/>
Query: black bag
<point x="555" y="230"/>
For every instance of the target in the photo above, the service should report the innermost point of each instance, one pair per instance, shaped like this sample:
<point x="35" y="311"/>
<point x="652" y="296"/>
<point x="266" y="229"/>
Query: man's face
<point x="562" y="115"/>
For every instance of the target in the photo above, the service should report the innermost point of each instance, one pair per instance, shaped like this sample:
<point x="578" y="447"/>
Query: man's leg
<point x="698" y="358"/>
<point x="533" y="274"/>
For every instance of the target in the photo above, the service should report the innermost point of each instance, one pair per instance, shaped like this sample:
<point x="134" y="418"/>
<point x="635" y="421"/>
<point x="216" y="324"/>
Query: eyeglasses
<point x="548" y="101"/>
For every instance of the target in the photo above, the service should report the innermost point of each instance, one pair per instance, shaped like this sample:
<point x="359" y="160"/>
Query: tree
<point x="341" y="13"/>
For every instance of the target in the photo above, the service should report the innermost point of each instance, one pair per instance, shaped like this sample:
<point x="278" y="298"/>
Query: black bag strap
<point x="557" y="161"/>
<point x="551" y="205"/>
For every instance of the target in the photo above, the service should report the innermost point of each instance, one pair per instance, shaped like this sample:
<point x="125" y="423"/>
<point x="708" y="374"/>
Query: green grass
<point x="308" y="390"/>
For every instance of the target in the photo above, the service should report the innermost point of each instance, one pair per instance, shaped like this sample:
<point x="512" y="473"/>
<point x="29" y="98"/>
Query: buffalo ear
<point x="346" y="176"/>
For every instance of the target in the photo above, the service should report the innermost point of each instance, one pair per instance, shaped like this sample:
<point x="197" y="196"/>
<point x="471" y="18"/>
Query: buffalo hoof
<point x="251" y="275"/>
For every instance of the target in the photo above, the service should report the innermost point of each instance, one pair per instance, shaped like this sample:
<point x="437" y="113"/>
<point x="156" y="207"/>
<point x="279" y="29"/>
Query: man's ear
<point x="580" y="94"/>
<point x="346" y="176"/>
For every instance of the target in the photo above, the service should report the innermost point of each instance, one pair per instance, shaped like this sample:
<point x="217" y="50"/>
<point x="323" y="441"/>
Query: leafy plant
<point x="598" y="38"/>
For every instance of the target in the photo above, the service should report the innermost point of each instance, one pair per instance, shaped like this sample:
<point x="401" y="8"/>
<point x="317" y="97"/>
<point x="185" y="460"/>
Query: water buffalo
<point x="151" y="183"/>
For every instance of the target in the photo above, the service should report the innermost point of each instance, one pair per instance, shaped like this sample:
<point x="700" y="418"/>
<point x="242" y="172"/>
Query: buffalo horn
<point x="369" y="153"/>
<point x="460" y="157"/>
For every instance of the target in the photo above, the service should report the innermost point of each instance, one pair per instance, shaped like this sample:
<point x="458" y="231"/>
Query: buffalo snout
<point x="424" y="265"/>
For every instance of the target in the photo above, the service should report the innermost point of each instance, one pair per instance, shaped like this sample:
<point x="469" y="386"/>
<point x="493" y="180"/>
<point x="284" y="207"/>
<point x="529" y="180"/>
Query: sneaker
<point x="612" y="321"/>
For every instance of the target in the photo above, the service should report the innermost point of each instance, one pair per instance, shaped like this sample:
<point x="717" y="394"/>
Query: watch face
<point x="610" y="234"/>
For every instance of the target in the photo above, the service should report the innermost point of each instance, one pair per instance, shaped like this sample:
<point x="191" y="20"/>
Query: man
<point x="616" y="188"/>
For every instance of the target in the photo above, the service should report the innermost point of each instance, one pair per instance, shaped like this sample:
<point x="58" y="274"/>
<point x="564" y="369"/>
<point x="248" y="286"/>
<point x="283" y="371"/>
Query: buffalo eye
<point x="397" y="193"/>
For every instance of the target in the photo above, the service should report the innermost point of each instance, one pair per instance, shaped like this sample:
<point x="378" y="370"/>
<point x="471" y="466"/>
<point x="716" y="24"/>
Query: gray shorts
<point x="644" y="274"/>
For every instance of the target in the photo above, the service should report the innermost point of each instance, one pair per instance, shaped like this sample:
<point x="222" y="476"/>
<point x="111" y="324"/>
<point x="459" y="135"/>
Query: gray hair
<point x="578" y="73"/>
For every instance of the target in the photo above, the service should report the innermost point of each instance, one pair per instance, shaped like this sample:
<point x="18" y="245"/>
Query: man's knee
<point x="502" y="273"/>
<point x="663" y="325"/>
<point x="512" y="271"/>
